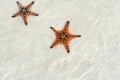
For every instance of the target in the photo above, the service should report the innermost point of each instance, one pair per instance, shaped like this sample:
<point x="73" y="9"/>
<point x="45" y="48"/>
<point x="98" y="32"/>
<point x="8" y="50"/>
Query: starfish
<point x="24" y="12"/>
<point x="63" y="37"/>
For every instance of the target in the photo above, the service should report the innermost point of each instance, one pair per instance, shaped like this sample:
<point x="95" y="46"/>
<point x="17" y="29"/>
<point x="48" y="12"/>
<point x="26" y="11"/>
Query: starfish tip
<point x="51" y="47"/>
<point x="13" y="16"/>
<point x="17" y="2"/>
<point x="37" y="14"/>
<point x="32" y="2"/>
<point x="25" y="23"/>
<point x="79" y="35"/>
<point x="51" y="27"/>
<point x="68" y="22"/>
<point x="68" y="51"/>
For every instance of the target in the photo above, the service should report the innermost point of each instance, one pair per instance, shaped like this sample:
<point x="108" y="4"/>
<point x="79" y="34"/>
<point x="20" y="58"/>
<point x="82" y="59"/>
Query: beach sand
<point x="25" y="52"/>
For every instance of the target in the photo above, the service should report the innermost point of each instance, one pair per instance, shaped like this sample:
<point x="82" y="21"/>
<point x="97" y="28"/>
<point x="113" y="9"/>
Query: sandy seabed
<point x="25" y="52"/>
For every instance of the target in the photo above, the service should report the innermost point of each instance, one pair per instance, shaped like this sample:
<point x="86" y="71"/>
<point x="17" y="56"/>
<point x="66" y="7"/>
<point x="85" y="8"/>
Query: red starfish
<point x="63" y="37"/>
<point x="24" y="12"/>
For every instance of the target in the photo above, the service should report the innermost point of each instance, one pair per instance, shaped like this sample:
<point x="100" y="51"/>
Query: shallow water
<point x="25" y="52"/>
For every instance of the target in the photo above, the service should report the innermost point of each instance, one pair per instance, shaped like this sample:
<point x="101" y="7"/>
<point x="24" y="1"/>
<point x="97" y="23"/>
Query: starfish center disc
<point x="24" y="11"/>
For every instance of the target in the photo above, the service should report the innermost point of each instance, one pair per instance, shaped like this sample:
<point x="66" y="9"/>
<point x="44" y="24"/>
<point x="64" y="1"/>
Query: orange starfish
<point x="63" y="37"/>
<point x="24" y="12"/>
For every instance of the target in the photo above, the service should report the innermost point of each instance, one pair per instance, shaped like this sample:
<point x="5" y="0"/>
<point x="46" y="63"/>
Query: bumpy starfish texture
<point x="63" y="37"/>
<point x="24" y="12"/>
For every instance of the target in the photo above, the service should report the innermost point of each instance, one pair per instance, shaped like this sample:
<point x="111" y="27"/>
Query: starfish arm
<point x="16" y="14"/>
<point x="67" y="48"/>
<point x="54" y="30"/>
<point x="33" y="13"/>
<point x="66" y="26"/>
<point x="19" y="5"/>
<point x="75" y="36"/>
<point x="55" y="43"/>
<point x="25" y="19"/>
<point x="30" y="5"/>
